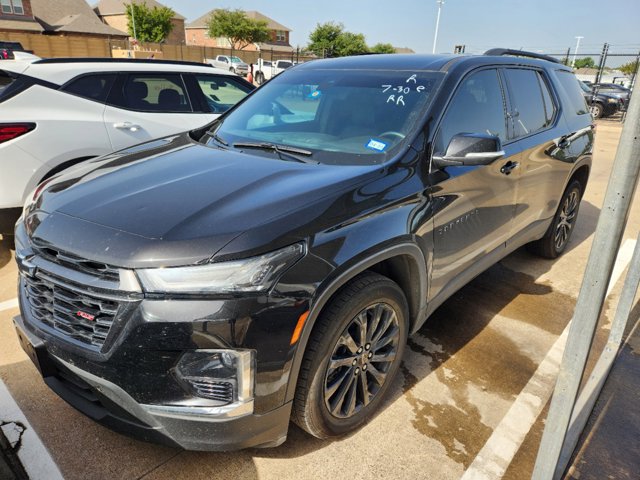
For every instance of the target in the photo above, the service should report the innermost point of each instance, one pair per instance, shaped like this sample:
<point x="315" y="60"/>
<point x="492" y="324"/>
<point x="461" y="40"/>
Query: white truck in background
<point x="232" y="63"/>
<point x="265" y="70"/>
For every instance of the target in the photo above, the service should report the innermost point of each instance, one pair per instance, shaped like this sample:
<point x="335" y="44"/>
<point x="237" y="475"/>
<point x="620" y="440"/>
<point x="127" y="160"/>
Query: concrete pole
<point x="575" y="53"/>
<point x="435" y="37"/>
<point x="606" y="242"/>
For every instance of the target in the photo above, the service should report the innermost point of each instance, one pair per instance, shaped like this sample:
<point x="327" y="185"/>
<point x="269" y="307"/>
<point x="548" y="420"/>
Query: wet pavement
<point x="610" y="443"/>
<point x="461" y="375"/>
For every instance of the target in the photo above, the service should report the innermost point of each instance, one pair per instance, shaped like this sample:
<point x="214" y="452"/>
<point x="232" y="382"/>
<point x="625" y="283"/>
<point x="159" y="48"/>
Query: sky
<point x="536" y="25"/>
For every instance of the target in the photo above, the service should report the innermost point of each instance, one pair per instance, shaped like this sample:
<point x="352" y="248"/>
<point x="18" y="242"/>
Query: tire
<point x="333" y="400"/>
<point x="596" y="110"/>
<point x="259" y="78"/>
<point x="232" y="70"/>
<point x="555" y="241"/>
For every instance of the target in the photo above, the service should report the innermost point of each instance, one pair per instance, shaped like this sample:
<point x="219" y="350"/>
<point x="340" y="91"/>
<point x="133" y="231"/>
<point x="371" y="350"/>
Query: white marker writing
<point x="386" y="87"/>
<point x="412" y="78"/>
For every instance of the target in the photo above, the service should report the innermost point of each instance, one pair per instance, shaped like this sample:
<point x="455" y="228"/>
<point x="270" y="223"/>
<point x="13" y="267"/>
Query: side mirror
<point x="469" y="149"/>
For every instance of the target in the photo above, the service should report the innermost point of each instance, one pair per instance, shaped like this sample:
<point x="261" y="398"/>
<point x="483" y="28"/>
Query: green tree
<point x="149" y="24"/>
<point x="629" y="68"/>
<point x="323" y="40"/>
<point x="237" y="28"/>
<point x="383" y="48"/>
<point x="351" y="44"/>
<point x="586" y="62"/>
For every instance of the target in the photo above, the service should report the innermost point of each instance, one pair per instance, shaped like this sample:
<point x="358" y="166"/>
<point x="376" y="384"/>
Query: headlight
<point x="254" y="274"/>
<point x="612" y="100"/>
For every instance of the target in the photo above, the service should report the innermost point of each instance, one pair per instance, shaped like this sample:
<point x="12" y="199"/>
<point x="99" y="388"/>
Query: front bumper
<point x="182" y="427"/>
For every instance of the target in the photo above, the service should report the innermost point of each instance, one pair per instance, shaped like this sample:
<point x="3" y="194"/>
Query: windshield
<point x="339" y="116"/>
<point x="236" y="60"/>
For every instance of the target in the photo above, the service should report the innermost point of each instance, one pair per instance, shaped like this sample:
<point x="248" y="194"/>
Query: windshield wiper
<point x="279" y="149"/>
<point x="218" y="139"/>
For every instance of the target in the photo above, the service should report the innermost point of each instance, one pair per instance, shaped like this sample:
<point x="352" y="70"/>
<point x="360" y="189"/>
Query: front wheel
<point x="596" y="110"/>
<point x="260" y="78"/>
<point x="555" y="241"/>
<point x="352" y="358"/>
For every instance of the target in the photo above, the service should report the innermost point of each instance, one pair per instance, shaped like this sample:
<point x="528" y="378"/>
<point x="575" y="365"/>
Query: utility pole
<point x="575" y="53"/>
<point x="435" y="37"/>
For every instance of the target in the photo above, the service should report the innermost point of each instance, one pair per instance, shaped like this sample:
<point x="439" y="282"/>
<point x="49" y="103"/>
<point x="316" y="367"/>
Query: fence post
<point x="606" y="242"/>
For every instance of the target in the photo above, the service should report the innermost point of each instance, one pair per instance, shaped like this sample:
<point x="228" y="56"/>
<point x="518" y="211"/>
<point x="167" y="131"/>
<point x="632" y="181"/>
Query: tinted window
<point x="549" y="105"/>
<point x="5" y="81"/>
<point x="477" y="107"/>
<point x="569" y="84"/>
<point x="93" y="87"/>
<point x="528" y="108"/>
<point x="154" y="93"/>
<point x="221" y="93"/>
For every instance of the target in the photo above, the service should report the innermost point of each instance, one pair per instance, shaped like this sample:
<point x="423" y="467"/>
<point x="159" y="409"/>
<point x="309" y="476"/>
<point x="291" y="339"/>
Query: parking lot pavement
<point x="471" y="379"/>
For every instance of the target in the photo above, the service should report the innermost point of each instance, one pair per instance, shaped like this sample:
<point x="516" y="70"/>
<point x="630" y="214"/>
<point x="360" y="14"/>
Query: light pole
<point x="435" y="37"/>
<point x="575" y="53"/>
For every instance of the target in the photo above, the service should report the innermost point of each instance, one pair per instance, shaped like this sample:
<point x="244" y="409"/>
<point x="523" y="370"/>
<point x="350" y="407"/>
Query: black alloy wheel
<point x="557" y="237"/>
<point x="352" y="357"/>
<point x="361" y="360"/>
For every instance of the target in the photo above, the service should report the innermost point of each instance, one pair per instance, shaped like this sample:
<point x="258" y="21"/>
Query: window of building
<point x="12" y="6"/>
<point x="281" y="36"/>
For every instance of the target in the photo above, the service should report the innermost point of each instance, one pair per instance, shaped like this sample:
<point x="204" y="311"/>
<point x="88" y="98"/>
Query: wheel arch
<point x="403" y="263"/>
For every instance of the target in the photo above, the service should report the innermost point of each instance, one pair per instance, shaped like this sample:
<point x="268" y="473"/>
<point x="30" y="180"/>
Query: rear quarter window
<point x="569" y="84"/>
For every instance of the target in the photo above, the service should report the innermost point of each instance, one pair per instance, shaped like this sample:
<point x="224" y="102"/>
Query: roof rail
<point x="520" y="53"/>
<point x="119" y="60"/>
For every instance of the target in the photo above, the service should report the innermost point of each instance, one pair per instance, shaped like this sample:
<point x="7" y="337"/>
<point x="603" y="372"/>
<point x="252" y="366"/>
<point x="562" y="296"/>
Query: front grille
<point x="81" y="316"/>
<point x="96" y="269"/>
<point x="214" y="390"/>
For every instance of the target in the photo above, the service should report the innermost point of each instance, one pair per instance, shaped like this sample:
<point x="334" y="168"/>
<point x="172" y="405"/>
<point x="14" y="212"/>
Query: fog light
<point x="222" y="375"/>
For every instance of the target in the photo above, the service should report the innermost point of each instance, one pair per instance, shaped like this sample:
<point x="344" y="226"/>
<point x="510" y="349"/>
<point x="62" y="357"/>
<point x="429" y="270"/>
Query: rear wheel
<point x="352" y="357"/>
<point x="555" y="241"/>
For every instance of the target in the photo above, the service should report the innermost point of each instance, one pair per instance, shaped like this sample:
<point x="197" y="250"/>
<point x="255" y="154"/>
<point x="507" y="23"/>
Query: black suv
<point x="600" y="104"/>
<point x="204" y="288"/>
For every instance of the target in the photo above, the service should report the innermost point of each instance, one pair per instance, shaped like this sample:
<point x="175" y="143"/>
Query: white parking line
<point x="33" y="455"/>
<point x="9" y="304"/>
<point x="496" y="455"/>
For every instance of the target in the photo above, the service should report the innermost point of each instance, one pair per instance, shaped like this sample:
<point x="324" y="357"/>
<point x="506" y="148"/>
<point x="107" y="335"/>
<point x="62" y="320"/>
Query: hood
<point x="177" y="191"/>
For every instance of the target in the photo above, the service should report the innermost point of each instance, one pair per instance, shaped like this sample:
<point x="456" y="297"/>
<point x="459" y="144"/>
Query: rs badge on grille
<point x="85" y="315"/>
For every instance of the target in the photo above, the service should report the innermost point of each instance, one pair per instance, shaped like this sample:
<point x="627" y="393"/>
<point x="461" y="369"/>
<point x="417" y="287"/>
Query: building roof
<point x="116" y="7"/>
<point x="70" y="16"/>
<point x="26" y="24"/>
<point x="201" y="22"/>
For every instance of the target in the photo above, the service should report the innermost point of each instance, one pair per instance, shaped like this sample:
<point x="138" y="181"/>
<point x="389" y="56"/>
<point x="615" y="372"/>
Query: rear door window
<point x="221" y="93"/>
<point x="164" y="93"/>
<point x="532" y="108"/>
<point x="477" y="107"/>
<point x="93" y="87"/>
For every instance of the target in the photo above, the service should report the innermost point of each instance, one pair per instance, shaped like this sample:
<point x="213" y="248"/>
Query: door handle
<point x="507" y="167"/>
<point x="132" y="127"/>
